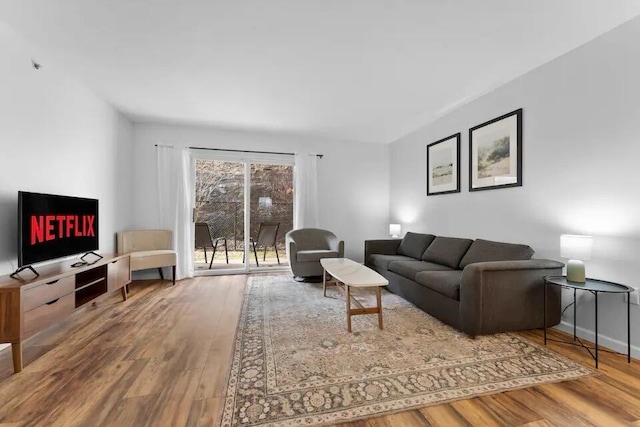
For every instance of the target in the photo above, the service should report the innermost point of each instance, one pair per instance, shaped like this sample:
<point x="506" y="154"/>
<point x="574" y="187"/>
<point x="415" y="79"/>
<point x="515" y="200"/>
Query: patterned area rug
<point x="294" y="362"/>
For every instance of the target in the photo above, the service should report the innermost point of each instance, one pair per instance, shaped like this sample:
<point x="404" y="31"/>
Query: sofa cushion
<point x="409" y="269"/>
<point x="486" y="250"/>
<point x="414" y="244"/>
<point x="315" y="255"/>
<point x="447" y="251"/>
<point x="142" y="260"/>
<point x="446" y="283"/>
<point x="383" y="261"/>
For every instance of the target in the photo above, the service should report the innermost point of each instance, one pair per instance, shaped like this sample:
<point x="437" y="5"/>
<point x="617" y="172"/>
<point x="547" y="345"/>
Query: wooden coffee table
<point x="347" y="274"/>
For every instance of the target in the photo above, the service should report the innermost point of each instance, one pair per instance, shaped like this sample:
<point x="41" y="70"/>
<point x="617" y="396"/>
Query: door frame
<point x="247" y="159"/>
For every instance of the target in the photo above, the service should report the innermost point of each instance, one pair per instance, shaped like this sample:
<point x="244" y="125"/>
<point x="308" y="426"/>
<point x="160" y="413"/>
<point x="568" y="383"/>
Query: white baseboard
<point x="603" y="340"/>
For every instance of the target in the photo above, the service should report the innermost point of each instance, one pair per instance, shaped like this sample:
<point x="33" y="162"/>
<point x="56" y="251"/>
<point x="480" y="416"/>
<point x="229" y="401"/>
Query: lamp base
<point x="575" y="271"/>
<point x="395" y="236"/>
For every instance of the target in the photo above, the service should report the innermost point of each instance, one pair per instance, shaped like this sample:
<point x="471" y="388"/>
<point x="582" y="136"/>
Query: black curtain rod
<point x="246" y="151"/>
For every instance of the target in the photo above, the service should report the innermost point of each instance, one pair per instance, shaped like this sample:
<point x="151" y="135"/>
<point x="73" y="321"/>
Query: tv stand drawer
<point x="35" y="297"/>
<point x="51" y="312"/>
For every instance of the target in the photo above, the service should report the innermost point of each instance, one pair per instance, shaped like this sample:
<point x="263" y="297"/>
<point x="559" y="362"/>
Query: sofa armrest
<point x="336" y="245"/>
<point x="380" y="246"/>
<point x="507" y="296"/>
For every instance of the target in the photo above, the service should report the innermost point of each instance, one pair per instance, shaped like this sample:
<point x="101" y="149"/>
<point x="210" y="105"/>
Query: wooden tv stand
<point x="29" y="306"/>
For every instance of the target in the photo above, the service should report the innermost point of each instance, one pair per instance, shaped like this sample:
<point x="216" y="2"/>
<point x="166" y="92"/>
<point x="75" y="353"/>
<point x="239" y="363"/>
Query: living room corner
<point x="565" y="144"/>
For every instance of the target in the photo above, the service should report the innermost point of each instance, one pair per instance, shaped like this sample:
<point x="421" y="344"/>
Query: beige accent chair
<point x="307" y="246"/>
<point x="148" y="249"/>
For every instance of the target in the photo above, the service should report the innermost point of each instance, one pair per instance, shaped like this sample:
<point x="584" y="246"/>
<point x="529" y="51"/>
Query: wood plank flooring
<point x="162" y="357"/>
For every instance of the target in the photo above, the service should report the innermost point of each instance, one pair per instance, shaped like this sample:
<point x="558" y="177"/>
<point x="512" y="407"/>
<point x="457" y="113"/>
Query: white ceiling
<point x="365" y="70"/>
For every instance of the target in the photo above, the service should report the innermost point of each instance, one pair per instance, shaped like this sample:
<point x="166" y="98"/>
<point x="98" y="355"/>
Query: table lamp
<point x="394" y="230"/>
<point x="577" y="249"/>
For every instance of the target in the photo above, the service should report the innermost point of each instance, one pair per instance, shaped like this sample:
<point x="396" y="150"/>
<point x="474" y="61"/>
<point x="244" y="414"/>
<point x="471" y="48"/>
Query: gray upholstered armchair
<point x="307" y="246"/>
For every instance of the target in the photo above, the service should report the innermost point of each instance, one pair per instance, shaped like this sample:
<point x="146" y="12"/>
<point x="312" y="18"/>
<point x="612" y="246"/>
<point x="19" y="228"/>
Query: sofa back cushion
<point x="486" y="250"/>
<point x="447" y="251"/>
<point x="414" y="244"/>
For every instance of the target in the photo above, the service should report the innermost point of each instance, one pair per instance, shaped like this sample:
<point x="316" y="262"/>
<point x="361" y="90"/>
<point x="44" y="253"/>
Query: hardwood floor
<point x="161" y="358"/>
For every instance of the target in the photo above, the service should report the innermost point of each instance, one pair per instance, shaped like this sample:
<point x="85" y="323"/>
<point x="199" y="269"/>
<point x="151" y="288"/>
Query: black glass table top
<point x="593" y="285"/>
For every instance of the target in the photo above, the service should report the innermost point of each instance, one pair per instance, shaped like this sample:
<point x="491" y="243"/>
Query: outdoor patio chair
<point x="204" y="240"/>
<point x="267" y="234"/>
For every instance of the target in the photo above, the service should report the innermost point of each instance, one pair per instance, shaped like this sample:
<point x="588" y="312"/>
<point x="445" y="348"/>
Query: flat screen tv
<point x="52" y="226"/>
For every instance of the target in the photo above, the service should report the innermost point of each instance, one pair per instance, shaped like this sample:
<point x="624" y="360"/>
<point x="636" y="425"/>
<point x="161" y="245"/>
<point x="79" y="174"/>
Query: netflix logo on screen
<point x="53" y="226"/>
<point x="49" y="227"/>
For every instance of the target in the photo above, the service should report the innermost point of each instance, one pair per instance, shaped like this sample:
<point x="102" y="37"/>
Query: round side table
<point x="595" y="287"/>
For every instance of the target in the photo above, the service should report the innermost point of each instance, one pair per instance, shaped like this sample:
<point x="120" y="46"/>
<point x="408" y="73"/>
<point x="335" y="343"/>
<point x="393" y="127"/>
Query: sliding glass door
<point x="271" y="213"/>
<point x="219" y="215"/>
<point x="243" y="208"/>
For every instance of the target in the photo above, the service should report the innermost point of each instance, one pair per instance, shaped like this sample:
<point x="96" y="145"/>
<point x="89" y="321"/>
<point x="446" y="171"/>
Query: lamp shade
<point x="395" y="229"/>
<point x="576" y="247"/>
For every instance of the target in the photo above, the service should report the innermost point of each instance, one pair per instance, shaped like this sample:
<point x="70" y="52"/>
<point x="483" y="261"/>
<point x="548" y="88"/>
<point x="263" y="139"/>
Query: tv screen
<point x="53" y="226"/>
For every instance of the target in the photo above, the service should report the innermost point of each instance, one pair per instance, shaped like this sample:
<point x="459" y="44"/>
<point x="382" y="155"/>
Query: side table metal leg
<point x="596" y="293"/>
<point x="574" y="313"/>
<point x="628" y="328"/>
<point x="544" y="314"/>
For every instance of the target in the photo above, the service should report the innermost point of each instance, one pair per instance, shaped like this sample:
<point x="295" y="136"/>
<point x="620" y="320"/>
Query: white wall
<point x="581" y="154"/>
<point x="353" y="178"/>
<point x="58" y="137"/>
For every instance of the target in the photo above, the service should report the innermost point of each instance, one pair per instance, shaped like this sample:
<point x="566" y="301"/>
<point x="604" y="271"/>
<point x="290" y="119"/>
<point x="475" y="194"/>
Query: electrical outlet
<point x="635" y="296"/>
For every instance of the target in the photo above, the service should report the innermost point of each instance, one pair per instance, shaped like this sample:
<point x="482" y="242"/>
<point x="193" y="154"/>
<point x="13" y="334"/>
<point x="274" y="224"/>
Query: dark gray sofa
<point x="478" y="287"/>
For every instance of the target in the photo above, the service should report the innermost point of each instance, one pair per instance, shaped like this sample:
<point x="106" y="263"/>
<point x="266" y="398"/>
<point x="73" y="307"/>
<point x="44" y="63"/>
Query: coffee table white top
<point x="352" y="273"/>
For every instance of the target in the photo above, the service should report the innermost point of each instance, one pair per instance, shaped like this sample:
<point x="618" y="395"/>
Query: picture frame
<point x="495" y="153"/>
<point x="443" y="166"/>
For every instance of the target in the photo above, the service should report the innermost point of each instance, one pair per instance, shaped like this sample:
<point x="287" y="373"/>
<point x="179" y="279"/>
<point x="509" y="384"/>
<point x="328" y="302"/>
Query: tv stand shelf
<point x="29" y="306"/>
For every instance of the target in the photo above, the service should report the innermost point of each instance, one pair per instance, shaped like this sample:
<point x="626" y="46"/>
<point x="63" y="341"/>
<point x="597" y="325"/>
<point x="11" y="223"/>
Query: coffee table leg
<point x="324" y="282"/>
<point x="348" y="307"/>
<point x="379" y="298"/>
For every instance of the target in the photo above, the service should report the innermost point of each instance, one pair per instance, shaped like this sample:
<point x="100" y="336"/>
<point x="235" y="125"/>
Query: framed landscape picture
<point x="443" y="166"/>
<point x="495" y="153"/>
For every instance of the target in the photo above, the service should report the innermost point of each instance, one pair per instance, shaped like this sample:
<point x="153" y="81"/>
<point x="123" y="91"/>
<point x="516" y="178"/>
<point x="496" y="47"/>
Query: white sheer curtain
<point x="175" y="203"/>
<point x="305" y="191"/>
